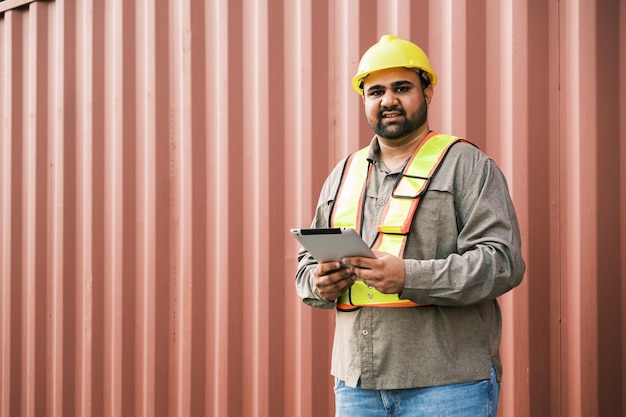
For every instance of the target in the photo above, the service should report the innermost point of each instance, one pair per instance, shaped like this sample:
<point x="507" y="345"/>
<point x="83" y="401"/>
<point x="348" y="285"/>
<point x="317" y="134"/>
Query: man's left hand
<point x="385" y="272"/>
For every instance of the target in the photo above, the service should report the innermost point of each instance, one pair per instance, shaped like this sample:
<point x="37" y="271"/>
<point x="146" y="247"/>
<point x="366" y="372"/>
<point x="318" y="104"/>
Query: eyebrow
<point x="394" y="84"/>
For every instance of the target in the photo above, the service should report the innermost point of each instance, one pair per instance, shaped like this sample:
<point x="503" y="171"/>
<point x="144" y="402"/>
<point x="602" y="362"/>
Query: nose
<point x="388" y="99"/>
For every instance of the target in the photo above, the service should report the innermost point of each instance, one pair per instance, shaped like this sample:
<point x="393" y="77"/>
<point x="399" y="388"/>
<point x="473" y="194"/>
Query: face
<point x="395" y="106"/>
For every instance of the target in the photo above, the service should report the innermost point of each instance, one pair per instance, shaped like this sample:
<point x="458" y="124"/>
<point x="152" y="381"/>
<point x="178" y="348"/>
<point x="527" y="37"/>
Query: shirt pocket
<point x="434" y="229"/>
<point x="437" y="208"/>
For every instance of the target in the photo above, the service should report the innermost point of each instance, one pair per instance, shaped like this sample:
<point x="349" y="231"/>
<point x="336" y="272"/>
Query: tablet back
<point x="332" y="244"/>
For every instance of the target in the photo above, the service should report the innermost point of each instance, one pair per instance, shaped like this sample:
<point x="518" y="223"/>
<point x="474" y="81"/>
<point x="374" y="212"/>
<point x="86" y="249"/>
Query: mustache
<point x="393" y="108"/>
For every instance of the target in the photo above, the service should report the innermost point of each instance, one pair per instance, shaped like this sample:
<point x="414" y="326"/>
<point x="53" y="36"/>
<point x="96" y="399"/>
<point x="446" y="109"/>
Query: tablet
<point x="332" y="244"/>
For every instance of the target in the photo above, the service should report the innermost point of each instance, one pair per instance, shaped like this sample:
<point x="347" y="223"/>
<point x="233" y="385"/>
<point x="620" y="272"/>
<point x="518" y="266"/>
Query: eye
<point x="375" y="93"/>
<point x="403" y="89"/>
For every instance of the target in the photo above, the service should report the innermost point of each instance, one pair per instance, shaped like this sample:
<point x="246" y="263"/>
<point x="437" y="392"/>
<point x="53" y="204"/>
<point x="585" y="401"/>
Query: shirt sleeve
<point x="488" y="260"/>
<point x="305" y="285"/>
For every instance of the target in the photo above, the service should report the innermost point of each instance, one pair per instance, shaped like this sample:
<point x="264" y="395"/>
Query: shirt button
<point x="365" y="332"/>
<point x="382" y="202"/>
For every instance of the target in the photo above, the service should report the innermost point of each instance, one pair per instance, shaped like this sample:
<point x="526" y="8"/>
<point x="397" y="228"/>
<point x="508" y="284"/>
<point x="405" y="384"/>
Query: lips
<point x="390" y="112"/>
<point x="391" y="116"/>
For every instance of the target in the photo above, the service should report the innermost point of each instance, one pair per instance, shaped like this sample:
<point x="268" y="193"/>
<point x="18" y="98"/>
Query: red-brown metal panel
<point x="153" y="156"/>
<point x="620" y="104"/>
<point x="84" y="212"/>
<point x="6" y="125"/>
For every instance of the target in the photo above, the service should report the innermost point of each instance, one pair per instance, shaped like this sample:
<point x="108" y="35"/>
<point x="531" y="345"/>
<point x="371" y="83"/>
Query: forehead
<point x="389" y="76"/>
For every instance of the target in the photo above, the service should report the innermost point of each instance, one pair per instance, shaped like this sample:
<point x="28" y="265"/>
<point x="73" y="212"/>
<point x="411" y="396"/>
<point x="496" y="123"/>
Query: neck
<point x="395" y="151"/>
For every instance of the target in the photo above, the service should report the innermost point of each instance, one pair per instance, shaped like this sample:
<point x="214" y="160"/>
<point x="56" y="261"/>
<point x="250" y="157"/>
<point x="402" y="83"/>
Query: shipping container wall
<point x="155" y="153"/>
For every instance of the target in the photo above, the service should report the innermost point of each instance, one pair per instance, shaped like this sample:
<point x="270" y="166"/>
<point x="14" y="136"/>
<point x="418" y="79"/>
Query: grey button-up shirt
<point x="463" y="252"/>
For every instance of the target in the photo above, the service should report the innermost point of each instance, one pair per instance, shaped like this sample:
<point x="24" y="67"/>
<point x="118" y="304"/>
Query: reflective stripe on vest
<point x="397" y="215"/>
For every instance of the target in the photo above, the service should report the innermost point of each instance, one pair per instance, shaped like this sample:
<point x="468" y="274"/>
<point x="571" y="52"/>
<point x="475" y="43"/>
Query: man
<point x="418" y="327"/>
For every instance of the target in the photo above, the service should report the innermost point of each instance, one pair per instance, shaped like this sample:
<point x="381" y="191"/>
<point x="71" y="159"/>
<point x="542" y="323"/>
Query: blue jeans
<point x="471" y="399"/>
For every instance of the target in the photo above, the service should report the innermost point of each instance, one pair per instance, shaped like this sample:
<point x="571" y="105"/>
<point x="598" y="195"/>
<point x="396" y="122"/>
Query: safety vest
<point x="397" y="216"/>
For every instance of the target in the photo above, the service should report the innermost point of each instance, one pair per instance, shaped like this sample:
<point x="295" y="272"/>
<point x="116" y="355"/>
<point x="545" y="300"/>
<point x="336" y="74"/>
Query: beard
<point x="395" y="130"/>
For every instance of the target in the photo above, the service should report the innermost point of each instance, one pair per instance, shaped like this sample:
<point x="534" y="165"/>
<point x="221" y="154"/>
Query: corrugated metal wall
<point x="154" y="153"/>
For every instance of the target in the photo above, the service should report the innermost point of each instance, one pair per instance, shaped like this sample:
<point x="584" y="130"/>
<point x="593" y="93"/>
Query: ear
<point x="428" y="94"/>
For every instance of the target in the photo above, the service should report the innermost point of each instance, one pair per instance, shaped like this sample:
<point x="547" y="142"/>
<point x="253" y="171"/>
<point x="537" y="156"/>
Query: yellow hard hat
<point x="392" y="52"/>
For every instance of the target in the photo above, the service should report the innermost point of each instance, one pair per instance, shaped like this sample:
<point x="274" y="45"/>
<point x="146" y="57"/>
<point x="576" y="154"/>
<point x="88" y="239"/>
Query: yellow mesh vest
<point x="397" y="216"/>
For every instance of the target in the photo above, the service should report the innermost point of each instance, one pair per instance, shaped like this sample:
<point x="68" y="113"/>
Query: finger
<point x="369" y="281"/>
<point x="326" y="268"/>
<point x="367" y="274"/>
<point x="331" y="290"/>
<point x="335" y="278"/>
<point x="359" y="261"/>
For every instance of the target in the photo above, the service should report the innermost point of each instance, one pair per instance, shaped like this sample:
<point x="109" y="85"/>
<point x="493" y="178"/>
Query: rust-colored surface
<point x="154" y="154"/>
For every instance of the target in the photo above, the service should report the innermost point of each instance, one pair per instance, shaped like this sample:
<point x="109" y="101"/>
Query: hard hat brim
<point x="359" y="79"/>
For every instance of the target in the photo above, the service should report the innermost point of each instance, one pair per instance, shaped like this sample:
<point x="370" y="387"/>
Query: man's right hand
<point x="332" y="279"/>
